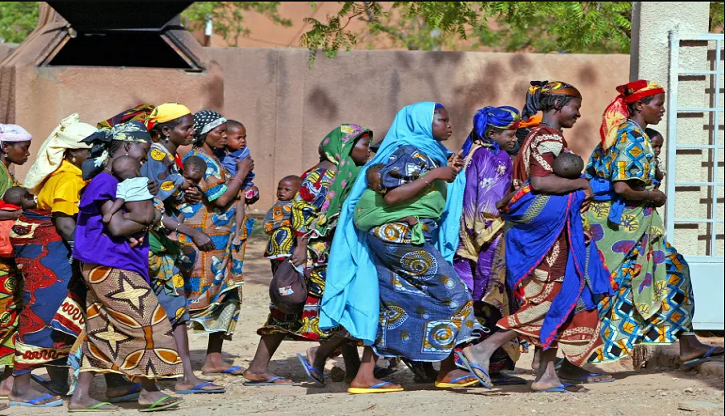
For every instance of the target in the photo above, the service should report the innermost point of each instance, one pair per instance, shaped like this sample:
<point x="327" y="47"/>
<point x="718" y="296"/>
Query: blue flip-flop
<point x="132" y="395"/>
<point x="705" y="358"/>
<point x="270" y="382"/>
<point x="561" y="388"/>
<point x="462" y="362"/>
<point x="198" y="389"/>
<point x="229" y="370"/>
<point x="32" y="403"/>
<point x="59" y="389"/>
<point x="311" y="371"/>
<point x="583" y="379"/>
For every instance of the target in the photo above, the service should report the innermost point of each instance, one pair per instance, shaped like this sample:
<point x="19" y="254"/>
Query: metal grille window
<point x="694" y="181"/>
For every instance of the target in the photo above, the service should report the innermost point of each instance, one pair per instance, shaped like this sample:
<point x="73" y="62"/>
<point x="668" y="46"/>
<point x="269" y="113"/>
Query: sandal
<point x="155" y="406"/>
<point x="95" y="408"/>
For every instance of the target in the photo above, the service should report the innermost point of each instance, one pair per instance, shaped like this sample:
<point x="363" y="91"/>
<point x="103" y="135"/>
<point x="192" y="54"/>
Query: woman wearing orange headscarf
<point x="654" y="303"/>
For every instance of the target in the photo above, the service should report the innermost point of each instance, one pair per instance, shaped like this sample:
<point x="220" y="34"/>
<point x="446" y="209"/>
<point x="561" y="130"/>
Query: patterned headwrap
<point x="206" y="121"/>
<point x="541" y="88"/>
<point x="336" y="148"/>
<point x="69" y="134"/>
<point x="617" y="111"/>
<point x="504" y="118"/>
<point x="13" y="133"/>
<point x="131" y="131"/>
<point x="166" y="112"/>
<point x="139" y="113"/>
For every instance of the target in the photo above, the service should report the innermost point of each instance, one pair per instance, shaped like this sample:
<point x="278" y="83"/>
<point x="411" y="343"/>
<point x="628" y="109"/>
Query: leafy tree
<point x="228" y="17"/>
<point x="17" y="20"/>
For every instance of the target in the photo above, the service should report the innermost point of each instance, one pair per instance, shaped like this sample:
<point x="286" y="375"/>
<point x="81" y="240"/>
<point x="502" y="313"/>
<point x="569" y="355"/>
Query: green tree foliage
<point x="228" y="17"/>
<point x="17" y="20"/>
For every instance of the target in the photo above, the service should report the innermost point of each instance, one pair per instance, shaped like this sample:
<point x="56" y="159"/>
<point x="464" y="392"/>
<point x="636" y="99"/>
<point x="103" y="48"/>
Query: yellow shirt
<point x="62" y="190"/>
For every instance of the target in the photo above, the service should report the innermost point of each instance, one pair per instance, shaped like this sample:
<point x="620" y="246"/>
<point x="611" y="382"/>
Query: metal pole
<point x="672" y="134"/>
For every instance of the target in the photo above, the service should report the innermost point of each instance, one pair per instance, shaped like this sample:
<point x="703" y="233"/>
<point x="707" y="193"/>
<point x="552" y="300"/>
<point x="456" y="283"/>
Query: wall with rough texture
<point x="652" y="23"/>
<point x="289" y="108"/>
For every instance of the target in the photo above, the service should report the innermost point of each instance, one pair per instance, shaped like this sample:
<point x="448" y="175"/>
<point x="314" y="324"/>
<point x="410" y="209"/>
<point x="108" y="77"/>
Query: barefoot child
<point x="236" y="149"/>
<point x="278" y="222"/>
<point x="132" y="192"/>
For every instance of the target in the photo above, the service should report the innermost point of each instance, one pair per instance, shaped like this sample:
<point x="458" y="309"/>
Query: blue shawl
<point x="351" y="296"/>
<point x="536" y="222"/>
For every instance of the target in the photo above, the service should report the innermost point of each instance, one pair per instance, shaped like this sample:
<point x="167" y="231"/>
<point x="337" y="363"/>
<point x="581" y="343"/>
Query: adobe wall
<point x="288" y="108"/>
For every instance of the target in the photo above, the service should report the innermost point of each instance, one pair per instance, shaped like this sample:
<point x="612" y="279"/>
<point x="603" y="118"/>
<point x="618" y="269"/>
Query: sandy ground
<point x="642" y="393"/>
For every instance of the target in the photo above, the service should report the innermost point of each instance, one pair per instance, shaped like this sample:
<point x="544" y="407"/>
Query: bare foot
<point x="221" y="368"/>
<point x="569" y="371"/>
<point x="480" y="355"/>
<point x="264" y="376"/>
<point x="31" y="394"/>
<point x="147" y="398"/>
<point x="6" y="386"/>
<point x="452" y="375"/>
<point x="189" y="383"/>
<point x="364" y="382"/>
<point x="691" y="348"/>
<point x="88" y="402"/>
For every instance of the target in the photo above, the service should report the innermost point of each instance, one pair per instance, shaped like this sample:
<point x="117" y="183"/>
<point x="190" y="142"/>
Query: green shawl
<point x="336" y="148"/>
<point x="372" y="211"/>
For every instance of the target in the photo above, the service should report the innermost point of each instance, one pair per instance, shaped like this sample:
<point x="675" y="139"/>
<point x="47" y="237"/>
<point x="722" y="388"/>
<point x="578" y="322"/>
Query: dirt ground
<point x="645" y="392"/>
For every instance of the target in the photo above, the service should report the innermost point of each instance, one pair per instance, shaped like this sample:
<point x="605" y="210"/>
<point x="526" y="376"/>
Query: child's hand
<point x="107" y="218"/>
<point x="192" y="196"/>
<point x="237" y="240"/>
<point x="185" y="185"/>
<point x="587" y="237"/>
<point x="133" y="242"/>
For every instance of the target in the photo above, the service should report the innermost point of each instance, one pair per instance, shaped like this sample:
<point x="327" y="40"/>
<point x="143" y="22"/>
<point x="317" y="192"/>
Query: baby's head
<point x="656" y="139"/>
<point x="19" y="196"/>
<point x="194" y="169"/>
<point x="236" y="136"/>
<point x="568" y="165"/>
<point x="373" y="177"/>
<point x="126" y="167"/>
<point x="288" y="187"/>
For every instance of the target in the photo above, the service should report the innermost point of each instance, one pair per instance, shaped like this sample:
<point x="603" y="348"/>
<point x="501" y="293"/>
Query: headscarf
<point x="130" y="131"/>
<point x="68" y="135"/>
<point x="166" y="112"/>
<point x="351" y="297"/>
<point x="504" y="118"/>
<point x="617" y="111"/>
<point x="139" y="113"/>
<point x="542" y="88"/>
<point x="336" y="148"/>
<point x="206" y="121"/>
<point x="14" y="133"/>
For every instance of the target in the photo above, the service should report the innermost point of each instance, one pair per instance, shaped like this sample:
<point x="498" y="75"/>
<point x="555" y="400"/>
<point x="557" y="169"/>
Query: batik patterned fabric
<point x="127" y="330"/>
<point x="43" y="259"/>
<point x="425" y="308"/>
<point x="10" y="295"/>
<point x="278" y="226"/>
<point x="161" y="167"/>
<point x="655" y="302"/>
<point x="306" y="208"/>
<point x="215" y="283"/>
<point x="166" y="279"/>
<point x="548" y="266"/>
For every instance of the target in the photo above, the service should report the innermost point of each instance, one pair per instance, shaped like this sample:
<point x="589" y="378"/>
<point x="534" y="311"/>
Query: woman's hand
<point x="153" y="187"/>
<point x="299" y="256"/>
<point x="657" y="197"/>
<point x="192" y="196"/>
<point x="589" y="196"/>
<point x="445" y="173"/>
<point x="245" y="165"/>
<point x="202" y="241"/>
<point x="456" y="162"/>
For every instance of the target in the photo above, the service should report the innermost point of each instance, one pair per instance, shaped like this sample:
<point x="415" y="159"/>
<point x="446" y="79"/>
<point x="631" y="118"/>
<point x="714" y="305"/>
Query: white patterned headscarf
<point x="204" y="122"/>
<point x="13" y="133"/>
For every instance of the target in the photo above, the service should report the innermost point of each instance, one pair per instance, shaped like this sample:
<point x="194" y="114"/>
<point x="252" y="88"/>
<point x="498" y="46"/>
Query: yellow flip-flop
<point x="453" y="383"/>
<point x="374" y="389"/>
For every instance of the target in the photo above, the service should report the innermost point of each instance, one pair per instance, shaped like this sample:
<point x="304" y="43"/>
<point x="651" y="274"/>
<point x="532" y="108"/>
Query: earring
<point x="166" y="139"/>
<point x="73" y="160"/>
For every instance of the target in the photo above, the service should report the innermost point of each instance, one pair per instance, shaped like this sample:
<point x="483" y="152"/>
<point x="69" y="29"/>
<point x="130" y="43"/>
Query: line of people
<point x="120" y="239"/>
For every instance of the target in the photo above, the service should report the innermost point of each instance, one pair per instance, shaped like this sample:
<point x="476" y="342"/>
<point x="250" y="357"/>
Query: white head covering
<point x="14" y="133"/>
<point x="67" y="135"/>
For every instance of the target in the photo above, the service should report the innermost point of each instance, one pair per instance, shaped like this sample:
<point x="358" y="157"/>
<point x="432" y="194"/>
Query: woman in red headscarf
<point x="654" y="303"/>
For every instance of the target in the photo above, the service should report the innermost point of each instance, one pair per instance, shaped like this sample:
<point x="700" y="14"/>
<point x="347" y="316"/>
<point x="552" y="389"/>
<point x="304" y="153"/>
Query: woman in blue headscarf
<point x="422" y="310"/>
<point x="480" y="260"/>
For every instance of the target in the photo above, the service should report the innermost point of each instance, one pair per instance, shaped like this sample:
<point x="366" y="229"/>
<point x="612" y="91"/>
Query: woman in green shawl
<point x="315" y="211"/>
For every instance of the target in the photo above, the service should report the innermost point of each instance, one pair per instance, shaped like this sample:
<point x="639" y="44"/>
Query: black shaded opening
<point x="129" y="49"/>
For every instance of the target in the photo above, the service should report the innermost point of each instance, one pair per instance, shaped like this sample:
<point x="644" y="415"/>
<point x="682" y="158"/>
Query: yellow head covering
<point x="167" y="112"/>
<point x="67" y="135"/>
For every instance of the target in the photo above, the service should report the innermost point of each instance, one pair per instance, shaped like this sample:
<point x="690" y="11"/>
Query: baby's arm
<point x="117" y="204"/>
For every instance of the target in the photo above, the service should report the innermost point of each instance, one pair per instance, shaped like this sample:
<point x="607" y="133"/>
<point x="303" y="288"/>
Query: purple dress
<point x="479" y="260"/>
